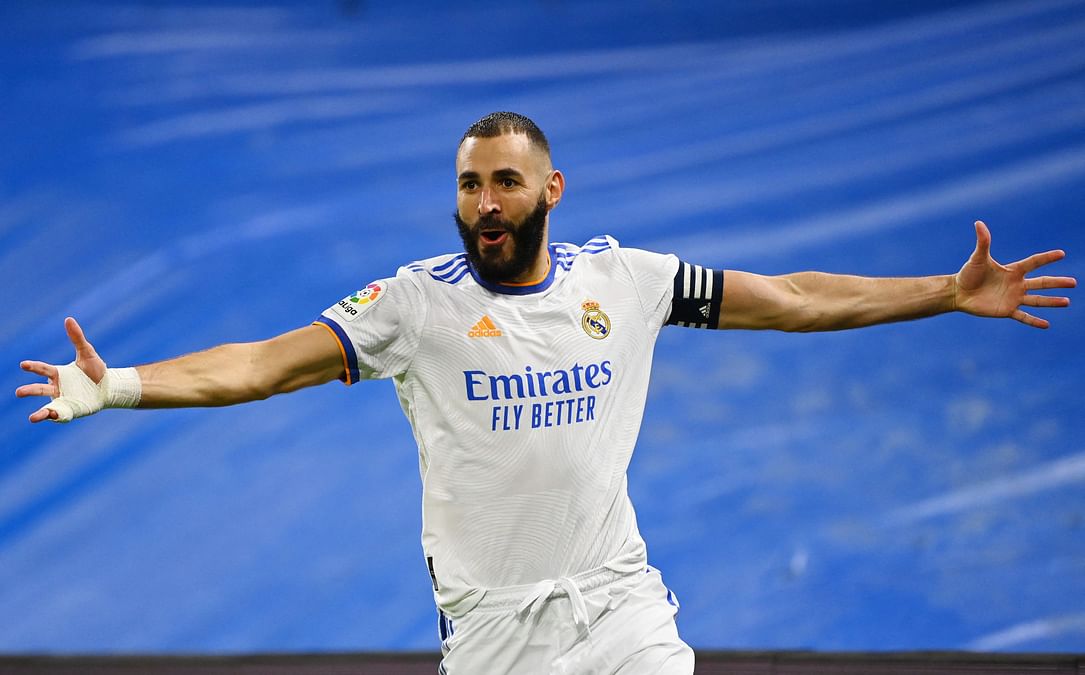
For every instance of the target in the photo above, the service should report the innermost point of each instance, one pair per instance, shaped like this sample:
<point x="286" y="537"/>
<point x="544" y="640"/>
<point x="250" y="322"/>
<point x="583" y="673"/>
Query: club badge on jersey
<point x="595" y="322"/>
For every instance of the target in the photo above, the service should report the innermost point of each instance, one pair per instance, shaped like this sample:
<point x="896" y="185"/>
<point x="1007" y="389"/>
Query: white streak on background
<point x="257" y="117"/>
<point x="622" y="101"/>
<point x="145" y="43"/>
<point x="554" y="66"/>
<point x="139" y="275"/>
<point x="17" y="212"/>
<point x="925" y="142"/>
<point x="1042" y="478"/>
<point x="1031" y="631"/>
<point x="750" y="57"/>
<point x="887" y="214"/>
<point x="67" y="456"/>
<point x="723" y="91"/>
<point x="557" y="66"/>
<point x="147" y="14"/>
<point x="480" y="71"/>
<point x="879" y="110"/>
<point x="89" y="16"/>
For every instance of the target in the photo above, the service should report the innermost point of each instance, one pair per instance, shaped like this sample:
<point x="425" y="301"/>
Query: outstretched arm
<point x="815" y="301"/>
<point x="224" y="375"/>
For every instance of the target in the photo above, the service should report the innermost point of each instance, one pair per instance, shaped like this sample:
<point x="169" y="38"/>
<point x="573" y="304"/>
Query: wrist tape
<point x="80" y="396"/>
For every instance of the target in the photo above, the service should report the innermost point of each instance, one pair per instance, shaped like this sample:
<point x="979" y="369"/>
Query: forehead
<point x="507" y="151"/>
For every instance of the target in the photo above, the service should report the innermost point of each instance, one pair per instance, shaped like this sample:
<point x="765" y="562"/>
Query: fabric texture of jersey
<point x="525" y="403"/>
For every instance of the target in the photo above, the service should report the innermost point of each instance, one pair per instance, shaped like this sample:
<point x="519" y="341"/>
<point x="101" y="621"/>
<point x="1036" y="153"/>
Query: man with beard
<point x="523" y="368"/>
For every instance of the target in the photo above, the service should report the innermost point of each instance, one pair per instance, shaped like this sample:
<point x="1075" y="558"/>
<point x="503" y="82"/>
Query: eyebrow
<point x="498" y="174"/>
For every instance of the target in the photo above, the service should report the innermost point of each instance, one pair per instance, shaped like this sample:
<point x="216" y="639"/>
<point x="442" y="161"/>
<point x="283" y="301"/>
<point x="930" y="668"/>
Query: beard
<point x="527" y="240"/>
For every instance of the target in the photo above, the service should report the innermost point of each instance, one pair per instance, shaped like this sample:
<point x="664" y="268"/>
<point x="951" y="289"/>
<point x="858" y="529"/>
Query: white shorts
<point x="625" y="626"/>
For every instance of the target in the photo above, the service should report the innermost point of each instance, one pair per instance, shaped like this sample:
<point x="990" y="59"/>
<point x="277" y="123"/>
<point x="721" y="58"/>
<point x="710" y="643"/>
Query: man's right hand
<point x="60" y="408"/>
<point x="224" y="375"/>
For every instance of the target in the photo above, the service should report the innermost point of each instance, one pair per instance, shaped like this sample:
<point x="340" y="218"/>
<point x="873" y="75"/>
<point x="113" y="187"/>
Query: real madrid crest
<point x="595" y="322"/>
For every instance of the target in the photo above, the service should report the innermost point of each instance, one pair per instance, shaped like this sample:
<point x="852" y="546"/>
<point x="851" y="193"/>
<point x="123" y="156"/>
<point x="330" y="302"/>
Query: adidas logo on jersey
<point x="484" y="328"/>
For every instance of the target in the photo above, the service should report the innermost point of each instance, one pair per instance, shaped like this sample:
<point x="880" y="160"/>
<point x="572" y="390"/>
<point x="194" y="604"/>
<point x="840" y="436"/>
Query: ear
<point x="555" y="187"/>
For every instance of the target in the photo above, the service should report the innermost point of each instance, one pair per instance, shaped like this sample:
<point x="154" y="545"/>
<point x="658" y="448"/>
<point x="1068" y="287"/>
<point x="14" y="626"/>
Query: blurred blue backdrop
<point x="177" y="175"/>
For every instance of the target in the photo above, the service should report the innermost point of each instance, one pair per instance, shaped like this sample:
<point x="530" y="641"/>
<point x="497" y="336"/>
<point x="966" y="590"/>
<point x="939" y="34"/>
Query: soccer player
<point x="523" y="366"/>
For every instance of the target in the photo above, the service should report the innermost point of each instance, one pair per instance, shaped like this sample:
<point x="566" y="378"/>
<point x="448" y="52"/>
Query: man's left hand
<point x="986" y="288"/>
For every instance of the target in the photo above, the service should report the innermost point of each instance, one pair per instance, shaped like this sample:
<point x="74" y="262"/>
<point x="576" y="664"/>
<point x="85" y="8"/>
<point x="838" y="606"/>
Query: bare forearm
<point x="220" y="376"/>
<point x="837" y="302"/>
<point x="238" y="373"/>
<point x="816" y="301"/>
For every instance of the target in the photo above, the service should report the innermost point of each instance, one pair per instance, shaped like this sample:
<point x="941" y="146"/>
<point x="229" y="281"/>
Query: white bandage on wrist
<point x="123" y="387"/>
<point x="80" y="396"/>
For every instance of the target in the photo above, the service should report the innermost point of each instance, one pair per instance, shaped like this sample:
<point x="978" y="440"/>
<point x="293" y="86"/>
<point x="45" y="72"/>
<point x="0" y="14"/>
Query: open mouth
<point x="493" y="237"/>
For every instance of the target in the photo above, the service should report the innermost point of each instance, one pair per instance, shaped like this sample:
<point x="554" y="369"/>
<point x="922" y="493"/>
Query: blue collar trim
<point x="519" y="290"/>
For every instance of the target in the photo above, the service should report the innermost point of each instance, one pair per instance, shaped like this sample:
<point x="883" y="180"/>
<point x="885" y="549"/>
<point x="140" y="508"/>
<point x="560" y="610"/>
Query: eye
<point x="508" y="183"/>
<point x="468" y="185"/>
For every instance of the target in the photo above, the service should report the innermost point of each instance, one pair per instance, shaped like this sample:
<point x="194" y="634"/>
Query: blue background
<point x="178" y="175"/>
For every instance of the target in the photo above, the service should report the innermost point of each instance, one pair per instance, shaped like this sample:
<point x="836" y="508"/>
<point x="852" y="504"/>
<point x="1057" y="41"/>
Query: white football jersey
<point x="525" y="402"/>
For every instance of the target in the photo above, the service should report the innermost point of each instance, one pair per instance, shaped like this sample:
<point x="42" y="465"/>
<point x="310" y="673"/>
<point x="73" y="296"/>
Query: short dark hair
<point x="500" y="123"/>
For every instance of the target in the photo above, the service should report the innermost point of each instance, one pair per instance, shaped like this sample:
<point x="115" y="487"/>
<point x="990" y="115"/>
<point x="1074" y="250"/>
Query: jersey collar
<point x="528" y="289"/>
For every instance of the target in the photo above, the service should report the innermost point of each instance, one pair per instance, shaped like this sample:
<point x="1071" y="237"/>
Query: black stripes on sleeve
<point x="698" y="294"/>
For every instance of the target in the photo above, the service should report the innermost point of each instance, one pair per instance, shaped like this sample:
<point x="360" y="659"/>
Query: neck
<point x="539" y="270"/>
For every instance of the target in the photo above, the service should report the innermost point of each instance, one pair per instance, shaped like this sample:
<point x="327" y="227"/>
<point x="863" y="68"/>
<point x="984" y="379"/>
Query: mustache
<point x="492" y="222"/>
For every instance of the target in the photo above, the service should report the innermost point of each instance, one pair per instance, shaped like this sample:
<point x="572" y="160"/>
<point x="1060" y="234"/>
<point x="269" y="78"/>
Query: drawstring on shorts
<point x="542" y="591"/>
<point x="527" y="600"/>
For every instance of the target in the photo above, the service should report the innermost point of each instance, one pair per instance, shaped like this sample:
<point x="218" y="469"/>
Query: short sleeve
<point x="378" y="328"/>
<point x="653" y="277"/>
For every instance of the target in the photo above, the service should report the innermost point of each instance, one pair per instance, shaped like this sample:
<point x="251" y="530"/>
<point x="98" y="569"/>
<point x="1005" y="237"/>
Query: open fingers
<point x="38" y="389"/>
<point x="40" y="368"/>
<point x="1042" y="283"/>
<point x="1038" y="260"/>
<point x="983" y="241"/>
<point x="83" y="348"/>
<point x="49" y="389"/>
<point x="1045" y="301"/>
<point x="1029" y="320"/>
<point x="44" y="414"/>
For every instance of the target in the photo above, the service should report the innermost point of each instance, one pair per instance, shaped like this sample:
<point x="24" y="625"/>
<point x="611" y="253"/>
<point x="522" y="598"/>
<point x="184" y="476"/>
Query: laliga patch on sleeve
<point x="353" y="306"/>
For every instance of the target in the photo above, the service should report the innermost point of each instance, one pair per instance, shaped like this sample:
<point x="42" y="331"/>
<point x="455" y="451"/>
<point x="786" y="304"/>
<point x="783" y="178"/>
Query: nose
<point x="488" y="203"/>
